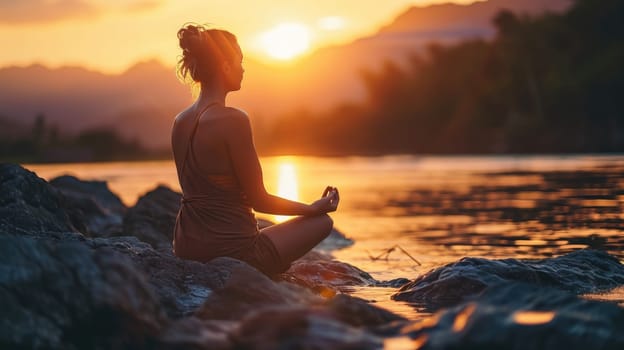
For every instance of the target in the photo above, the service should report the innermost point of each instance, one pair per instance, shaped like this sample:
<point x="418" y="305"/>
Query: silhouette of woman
<point x="220" y="174"/>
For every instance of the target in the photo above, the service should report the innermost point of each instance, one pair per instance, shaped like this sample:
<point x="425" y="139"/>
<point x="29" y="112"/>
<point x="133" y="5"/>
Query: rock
<point x="299" y="329"/>
<point x="304" y="320"/>
<point x="358" y="312"/>
<point x="152" y="219"/>
<point x="321" y="272"/>
<point x="62" y="295"/>
<point x="181" y="286"/>
<point x="521" y="316"/>
<point x="579" y="272"/>
<point x="29" y="205"/>
<point x="191" y="333"/>
<point x="249" y="290"/>
<point x="91" y="206"/>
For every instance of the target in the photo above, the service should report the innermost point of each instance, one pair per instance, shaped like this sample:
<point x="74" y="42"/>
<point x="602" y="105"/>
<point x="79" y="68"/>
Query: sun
<point x="286" y="41"/>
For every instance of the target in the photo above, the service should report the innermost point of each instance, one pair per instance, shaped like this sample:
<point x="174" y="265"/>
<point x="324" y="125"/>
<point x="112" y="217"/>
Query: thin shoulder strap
<point x="188" y="147"/>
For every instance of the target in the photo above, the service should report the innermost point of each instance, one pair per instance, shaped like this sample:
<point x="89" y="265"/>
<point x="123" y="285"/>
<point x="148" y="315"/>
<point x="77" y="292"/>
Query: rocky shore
<point x="80" y="270"/>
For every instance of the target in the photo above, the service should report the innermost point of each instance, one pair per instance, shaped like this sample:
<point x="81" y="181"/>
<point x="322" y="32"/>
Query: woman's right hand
<point x="328" y="202"/>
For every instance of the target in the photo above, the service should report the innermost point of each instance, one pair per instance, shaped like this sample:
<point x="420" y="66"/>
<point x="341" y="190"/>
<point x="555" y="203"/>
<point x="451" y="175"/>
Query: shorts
<point x="261" y="253"/>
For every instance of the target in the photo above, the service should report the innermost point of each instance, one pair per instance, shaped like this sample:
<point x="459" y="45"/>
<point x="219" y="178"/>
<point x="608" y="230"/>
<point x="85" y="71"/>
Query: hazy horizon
<point x="88" y="30"/>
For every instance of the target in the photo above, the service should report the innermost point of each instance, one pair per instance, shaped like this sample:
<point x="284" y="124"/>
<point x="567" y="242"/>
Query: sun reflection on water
<point x="287" y="185"/>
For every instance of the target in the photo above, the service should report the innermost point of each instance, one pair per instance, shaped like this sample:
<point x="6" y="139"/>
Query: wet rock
<point x="29" y="205"/>
<point x="91" y="206"/>
<point x="521" y="316"/>
<point x="248" y="290"/>
<point x="358" y="312"/>
<point x="579" y="272"/>
<point x="236" y="301"/>
<point x="299" y="329"/>
<point x="152" y="219"/>
<point x="191" y="333"/>
<point x="321" y="272"/>
<point x="62" y="295"/>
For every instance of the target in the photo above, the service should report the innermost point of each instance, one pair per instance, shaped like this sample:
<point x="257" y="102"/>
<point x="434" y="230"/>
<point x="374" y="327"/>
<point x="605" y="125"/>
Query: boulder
<point x="358" y="312"/>
<point x="579" y="272"/>
<point x="191" y="333"/>
<point x="181" y="286"/>
<point x="248" y="290"/>
<point x="322" y="273"/>
<point x="91" y="206"/>
<point x="63" y="295"/>
<point x="29" y="205"/>
<point x="152" y="219"/>
<point x="521" y="316"/>
<point x="281" y="328"/>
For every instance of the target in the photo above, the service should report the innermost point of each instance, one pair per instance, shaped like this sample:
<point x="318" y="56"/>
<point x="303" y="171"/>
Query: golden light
<point x="331" y="23"/>
<point x="287" y="186"/>
<point x="405" y="343"/>
<point x="531" y="318"/>
<point x="286" y="41"/>
<point x="461" y="319"/>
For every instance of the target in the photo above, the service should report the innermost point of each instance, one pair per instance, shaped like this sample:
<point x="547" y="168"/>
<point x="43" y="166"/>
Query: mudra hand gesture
<point x="328" y="202"/>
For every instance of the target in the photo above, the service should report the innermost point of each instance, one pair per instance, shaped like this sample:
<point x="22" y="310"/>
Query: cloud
<point x="35" y="11"/>
<point x="44" y="11"/>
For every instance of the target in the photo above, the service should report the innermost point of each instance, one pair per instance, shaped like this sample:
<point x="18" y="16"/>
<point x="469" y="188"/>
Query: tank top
<point x="216" y="211"/>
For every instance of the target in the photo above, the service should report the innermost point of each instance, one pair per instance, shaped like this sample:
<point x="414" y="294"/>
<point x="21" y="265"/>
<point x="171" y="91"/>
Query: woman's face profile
<point x="234" y="73"/>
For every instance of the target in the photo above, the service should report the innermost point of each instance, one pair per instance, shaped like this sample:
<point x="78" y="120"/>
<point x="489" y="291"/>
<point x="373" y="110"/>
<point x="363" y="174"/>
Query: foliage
<point x="551" y="83"/>
<point x="42" y="143"/>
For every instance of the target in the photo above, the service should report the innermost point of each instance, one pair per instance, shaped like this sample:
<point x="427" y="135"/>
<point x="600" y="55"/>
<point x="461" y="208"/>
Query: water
<point x="434" y="210"/>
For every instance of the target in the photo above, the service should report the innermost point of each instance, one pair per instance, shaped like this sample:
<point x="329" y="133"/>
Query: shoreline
<point x="69" y="224"/>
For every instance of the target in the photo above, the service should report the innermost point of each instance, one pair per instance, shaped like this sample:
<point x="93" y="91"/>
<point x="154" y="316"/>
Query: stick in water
<point x="386" y="254"/>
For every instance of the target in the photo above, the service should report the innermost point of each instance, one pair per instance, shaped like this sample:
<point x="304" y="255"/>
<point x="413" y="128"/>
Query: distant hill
<point x="465" y="20"/>
<point x="142" y="101"/>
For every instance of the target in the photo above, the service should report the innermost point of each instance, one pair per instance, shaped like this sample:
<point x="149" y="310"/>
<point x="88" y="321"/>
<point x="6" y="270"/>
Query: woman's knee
<point x="328" y="224"/>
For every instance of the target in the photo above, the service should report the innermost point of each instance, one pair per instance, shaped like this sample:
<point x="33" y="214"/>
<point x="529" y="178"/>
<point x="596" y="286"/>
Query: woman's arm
<point x="247" y="167"/>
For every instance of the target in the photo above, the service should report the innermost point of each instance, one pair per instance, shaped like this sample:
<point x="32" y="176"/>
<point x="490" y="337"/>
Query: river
<point x="408" y="214"/>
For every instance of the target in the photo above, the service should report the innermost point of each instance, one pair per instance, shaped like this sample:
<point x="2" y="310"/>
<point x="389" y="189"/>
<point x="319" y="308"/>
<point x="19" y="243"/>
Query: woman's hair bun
<point x="190" y="37"/>
<point x="203" y="49"/>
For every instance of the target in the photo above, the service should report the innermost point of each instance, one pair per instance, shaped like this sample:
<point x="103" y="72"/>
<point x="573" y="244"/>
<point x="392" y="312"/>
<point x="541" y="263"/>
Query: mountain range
<point x="141" y="102"/>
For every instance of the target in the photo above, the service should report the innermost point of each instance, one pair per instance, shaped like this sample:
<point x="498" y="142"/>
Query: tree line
<point x="545" y="84"/>
<point x="42" y="142"/>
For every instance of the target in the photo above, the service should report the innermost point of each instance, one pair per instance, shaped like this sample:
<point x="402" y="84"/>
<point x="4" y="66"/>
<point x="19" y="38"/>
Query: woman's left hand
<point x="328" y="202"/>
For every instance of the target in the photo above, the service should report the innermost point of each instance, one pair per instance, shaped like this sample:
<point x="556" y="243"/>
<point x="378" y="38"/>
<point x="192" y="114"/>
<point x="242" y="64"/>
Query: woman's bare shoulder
<point x="182" y="116"/>
<point x="236" y="113"/>
<point x="235" y="116"/>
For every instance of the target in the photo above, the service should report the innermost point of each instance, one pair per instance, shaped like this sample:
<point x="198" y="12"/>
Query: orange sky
<point x="110" y="35"/>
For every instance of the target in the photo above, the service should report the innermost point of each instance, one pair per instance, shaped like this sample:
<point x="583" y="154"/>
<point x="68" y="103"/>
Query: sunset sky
<point x="111" y="35"/>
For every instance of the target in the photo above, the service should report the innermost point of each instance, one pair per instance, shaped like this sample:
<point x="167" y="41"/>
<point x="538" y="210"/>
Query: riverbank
<point x="89" y="271"/>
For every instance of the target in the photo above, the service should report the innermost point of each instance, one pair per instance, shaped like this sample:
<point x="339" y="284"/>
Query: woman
<point x="219" y="171"/>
